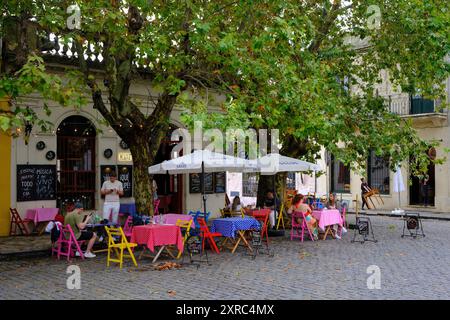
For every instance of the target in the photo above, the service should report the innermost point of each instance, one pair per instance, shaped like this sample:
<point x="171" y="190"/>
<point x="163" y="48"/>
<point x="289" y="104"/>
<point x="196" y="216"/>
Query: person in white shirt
<point x="112" y="189"/>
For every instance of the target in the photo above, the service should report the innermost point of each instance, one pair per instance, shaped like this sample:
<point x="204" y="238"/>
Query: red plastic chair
<point x="67" y="245"/>
<point x="128" y="227"/>
<point x="296" y="226"/>
<point x="18" y="223"/>
<point x="208" y="235"/>
<point x="263" y="217"/>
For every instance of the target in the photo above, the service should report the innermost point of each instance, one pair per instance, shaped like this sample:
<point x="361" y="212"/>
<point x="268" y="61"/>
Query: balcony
<point x="424" y="113"/>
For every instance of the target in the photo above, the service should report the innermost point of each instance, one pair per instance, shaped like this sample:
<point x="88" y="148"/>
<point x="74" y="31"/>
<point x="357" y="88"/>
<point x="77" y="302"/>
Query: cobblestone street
<point x="332" y="269"/>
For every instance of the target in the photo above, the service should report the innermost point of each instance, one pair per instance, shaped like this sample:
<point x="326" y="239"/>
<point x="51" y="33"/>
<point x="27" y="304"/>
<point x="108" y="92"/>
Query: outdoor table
<point x="235" y="226"/>
<point x="129" y="208"/>
<point x="171" y="218"/>
<point x="327" y="218"/>
<point x="39" y="215"/>
<point x="153" y="235"/>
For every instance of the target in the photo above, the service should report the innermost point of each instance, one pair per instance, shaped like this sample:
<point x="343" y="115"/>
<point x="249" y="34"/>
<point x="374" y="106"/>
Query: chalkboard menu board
<point x="214" y="183"/>
<point x="195" y="183"/>
<point x="36" y="182"/>
<point x="209" y="183"/>
<point x="125" y="175"/>
<point x="220" y="182"/>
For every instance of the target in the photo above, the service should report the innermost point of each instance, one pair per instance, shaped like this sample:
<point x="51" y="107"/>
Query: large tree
<point x="281" y="64"/>
<point x="310" y="69"/>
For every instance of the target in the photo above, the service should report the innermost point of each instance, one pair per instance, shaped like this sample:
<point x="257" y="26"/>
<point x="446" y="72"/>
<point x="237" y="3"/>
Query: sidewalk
<point x="388" y="213"/>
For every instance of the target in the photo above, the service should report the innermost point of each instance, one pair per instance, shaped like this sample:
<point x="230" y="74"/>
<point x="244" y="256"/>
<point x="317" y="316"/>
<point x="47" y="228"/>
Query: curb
<point x="392" y="215"/>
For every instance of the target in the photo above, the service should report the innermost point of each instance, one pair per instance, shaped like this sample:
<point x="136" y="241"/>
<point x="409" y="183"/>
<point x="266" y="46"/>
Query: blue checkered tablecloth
<point x="229" y="226"/>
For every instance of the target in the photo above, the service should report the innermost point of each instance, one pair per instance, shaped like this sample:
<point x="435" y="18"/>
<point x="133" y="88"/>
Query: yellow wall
<point x="5" y="178"/>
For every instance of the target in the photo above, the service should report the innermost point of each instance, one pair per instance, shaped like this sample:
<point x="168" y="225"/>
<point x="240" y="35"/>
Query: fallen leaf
<point x="172" y="293"/>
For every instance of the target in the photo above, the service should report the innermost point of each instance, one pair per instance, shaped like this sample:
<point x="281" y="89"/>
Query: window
<point x="290" y="181"/>
<point x="378" y="173"/>
<point x="340" y="177"/>
<point x="249" y="184"/>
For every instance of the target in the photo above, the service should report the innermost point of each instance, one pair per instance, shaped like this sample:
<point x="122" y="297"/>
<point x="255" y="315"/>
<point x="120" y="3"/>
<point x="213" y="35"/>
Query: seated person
<point x="269" y="203"/>
<point x="77" y="221"/>
<point x="298" y="205"/>
<point x="331" y="203"/>
<point x="236" y="206"/>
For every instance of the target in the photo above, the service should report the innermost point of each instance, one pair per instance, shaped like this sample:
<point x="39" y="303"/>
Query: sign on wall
<point x="124" y="157"/>
<point x="125" y="175"/>
<point x="220" y="182"/>
<point x="36" y="182"/>
<point x="214" y="182"/>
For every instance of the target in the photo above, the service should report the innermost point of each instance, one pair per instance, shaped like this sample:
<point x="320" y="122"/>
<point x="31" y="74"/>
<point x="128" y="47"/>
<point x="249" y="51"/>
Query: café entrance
<point x="75" y="164"/>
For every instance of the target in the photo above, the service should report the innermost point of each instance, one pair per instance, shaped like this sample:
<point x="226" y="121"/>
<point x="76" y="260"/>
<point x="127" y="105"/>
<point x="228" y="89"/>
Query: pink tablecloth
<point x="153" y="235"/>
<point x="327" y="217"/>
<point x="171" y="218"/>
<point x="41" y="214"/>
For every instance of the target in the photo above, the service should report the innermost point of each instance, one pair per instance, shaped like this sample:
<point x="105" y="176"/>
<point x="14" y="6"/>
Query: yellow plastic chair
<point x="283" y="218"/>
<point x="119" y="247"/>
<point x="184" y="224"/>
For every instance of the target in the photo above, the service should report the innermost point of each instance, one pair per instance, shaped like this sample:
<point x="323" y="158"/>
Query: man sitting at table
<point x="269" y="203"/>
<point x="78" y="221"/>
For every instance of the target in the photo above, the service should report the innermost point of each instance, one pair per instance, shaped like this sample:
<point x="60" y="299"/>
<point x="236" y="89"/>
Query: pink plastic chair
<point x="128" y="227"/>
<point x="156" y="206"/>
<point x="67" y="244"/>
<point x="296" y="227"/>
<point x="344" y="221"/>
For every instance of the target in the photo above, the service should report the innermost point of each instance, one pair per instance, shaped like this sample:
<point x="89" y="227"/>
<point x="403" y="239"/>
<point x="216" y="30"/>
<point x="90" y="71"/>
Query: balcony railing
<point x="403" y="104"/>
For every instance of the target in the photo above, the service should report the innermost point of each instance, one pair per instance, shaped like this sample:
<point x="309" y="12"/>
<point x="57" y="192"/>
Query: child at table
<point x="298" y="205"/>
<point x="331" y="204"/>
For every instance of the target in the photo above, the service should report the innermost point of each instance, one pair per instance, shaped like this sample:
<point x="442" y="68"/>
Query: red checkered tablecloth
<point x="328" y="217"/>
<point x="41" y="214"/>
<point x="153" y="235"/>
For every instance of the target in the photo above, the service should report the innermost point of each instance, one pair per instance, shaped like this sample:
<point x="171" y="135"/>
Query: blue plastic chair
<point x="195" y="216"/>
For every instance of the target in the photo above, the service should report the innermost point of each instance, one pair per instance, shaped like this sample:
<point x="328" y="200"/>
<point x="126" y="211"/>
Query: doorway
<point x="416" y="195"/>
<point x="75" y="165"/>
<point x="170" y="187"/>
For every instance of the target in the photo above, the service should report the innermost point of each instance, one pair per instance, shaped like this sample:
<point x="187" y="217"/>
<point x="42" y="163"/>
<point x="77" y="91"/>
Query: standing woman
<point x="112" y="189"/>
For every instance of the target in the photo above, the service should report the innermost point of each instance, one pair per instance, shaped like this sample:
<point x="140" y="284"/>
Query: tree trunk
<point x="142" y="159"/>
<point x="291" y="148"/>
<point x="144" y="145"/>
<point x="265" y="184"/>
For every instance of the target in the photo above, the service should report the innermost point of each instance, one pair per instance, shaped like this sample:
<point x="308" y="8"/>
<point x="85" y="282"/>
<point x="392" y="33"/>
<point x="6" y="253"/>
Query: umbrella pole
<point x="275" y="200"/>
<point x="203" y="189"/>
<point x="315" y="186"/>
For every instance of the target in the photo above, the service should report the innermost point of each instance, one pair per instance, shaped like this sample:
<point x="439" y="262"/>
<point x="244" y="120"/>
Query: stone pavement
<point x="331" y="269"/>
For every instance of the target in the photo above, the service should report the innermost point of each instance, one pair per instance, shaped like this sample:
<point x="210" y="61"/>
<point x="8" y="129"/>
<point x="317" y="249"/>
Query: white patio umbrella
<point x="273" y="163"/>
<point x="201" y="161"/>
<point x="398" y="183"/>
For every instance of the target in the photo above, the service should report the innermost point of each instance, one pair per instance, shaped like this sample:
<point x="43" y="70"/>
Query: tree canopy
<point x="288" y="65"/>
